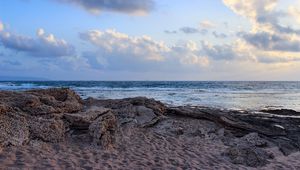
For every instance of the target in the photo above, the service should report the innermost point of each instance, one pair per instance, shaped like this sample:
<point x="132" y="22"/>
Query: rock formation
<point x="57" y="115"/>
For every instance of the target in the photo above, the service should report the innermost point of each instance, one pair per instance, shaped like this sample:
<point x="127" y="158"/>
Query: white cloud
<point x="121" y="44"/>
<point x="295" y="12"/>
<point x="40" y="32"/>
<point x="268" y="38"/>
<point x="42" y="46"/>
<point x="189" y="54"/>
<point x="116" y="50"/>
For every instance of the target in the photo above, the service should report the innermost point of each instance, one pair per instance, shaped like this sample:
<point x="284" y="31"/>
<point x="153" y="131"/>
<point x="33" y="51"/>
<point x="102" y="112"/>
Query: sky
<point x="150" y="39"/>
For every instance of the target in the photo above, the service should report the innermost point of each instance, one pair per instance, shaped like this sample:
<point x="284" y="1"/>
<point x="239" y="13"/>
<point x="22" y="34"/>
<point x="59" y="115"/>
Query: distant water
<point x="229" y="95"/>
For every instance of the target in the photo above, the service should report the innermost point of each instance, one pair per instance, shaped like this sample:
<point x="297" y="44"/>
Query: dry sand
<point x="146" y="149"/>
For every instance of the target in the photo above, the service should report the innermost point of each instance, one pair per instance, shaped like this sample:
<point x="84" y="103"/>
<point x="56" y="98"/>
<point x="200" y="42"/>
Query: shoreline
<point x="252" y="96"/>
<point x="56" y="129"/>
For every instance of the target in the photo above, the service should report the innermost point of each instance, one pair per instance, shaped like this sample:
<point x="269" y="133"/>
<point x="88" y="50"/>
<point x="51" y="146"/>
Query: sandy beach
<point x="56" y="129"/>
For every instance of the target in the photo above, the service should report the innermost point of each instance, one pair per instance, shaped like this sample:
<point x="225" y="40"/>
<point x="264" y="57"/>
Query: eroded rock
<point x="123" y="106"/>
<point x="13" y="129"/>
<point x="144" y="115"/>
<point x="248" y="155"/>
<point x="64" y="100"/>
<point x="43" y="102"/>
<point x="253" y="139"/>
<point x="47" y="130"/>
<point x="103" y="130"/>
<point x="45" y="115"/>
<point x="82" y="120"/>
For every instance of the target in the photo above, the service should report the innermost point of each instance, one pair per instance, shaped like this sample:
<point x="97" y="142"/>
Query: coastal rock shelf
<point x="55" y="128"/>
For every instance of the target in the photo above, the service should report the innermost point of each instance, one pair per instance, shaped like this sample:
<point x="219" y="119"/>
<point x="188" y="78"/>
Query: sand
<point x="146" y="149"/>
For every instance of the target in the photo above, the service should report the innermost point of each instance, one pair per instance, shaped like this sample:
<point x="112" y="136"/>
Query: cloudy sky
<point x="150" y="39"/>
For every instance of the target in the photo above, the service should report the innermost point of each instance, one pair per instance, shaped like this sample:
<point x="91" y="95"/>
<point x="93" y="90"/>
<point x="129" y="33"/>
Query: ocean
<point x="240" y="95"/>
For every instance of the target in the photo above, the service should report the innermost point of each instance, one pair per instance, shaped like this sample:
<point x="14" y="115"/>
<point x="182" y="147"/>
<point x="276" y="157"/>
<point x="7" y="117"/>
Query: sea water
<point x="220" y="94"/>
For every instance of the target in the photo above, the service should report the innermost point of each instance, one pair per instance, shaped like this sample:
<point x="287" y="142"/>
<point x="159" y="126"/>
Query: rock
<point x="286" y="112"/>
<point x="248" y="155"/>
<point x="144" y="112"/>
<point x="47" y="130"/>
<point x="45" y="115"/>
<point x="64" y="100"/>
<point x="253" y="139"/>
<point x="42" y="102"/>
<point x="286" y="146"/>
<point x="144" y="115"/>
<point x="123" y="106"/>
<point x="82" y="120"/>
<point x="103" y="130"/>
<point x="240" y="123"/>
<point x="33" y="105"/>
<point x="157" y="107"/>
<point x="13" y="129"/>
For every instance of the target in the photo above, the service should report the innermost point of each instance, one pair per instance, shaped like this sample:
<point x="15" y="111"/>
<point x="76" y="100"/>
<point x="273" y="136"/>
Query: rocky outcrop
<point x="13" y="129"/>
<point x="248" y="150"/>
<point x="123" y="106"/>
<point x="42" y="102"/>
<point x="248" y="155"/>
<point x="32" y="115"/>
<point x="47" y="130"/>
<point x="54" y="115"/>
<point x="103" y="130"/>
<point x="63" y="100"/>
<point x="82" y="120"/>
<point x="251" y="139"/>
<point x="286" y="112"/>
<point x="142" y="111"/>
<point x="284" y="129"/>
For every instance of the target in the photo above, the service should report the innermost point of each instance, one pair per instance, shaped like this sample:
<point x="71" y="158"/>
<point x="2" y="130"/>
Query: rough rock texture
<point x="63" y="100"/>
<point x="13" y="129"/>
<point x="284" y="131"/>
<point x="82" y="120"/>
<point x="33" y="114"/>
<point x="103" y="130"/>
<point x="138" y="133"/>
<point x="48" y="130"/>
<point x="248" y="151"/>
<point x="248" y="155"/>
<point x="121" y="105"/>
<point x="144" y="114"/>
<point x="253" y="139"/>
<point x="42" y="102"/>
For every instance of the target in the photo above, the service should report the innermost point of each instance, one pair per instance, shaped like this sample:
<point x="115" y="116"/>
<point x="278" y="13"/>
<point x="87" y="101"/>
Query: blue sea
<point x="229" y="95"/>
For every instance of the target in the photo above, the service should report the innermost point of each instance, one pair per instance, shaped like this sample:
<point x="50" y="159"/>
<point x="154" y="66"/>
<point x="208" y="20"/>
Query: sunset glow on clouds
<point x="135" y="40"/>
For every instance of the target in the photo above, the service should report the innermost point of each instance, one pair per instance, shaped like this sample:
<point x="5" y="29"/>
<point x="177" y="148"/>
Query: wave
<point x="237" y="95"/>
<point x="20" y="86"/>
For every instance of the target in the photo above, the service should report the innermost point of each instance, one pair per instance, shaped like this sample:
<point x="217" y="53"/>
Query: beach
<point x="150" y="84"/>
<point x="235" y="95"/>
<point x="57" y="129"/>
